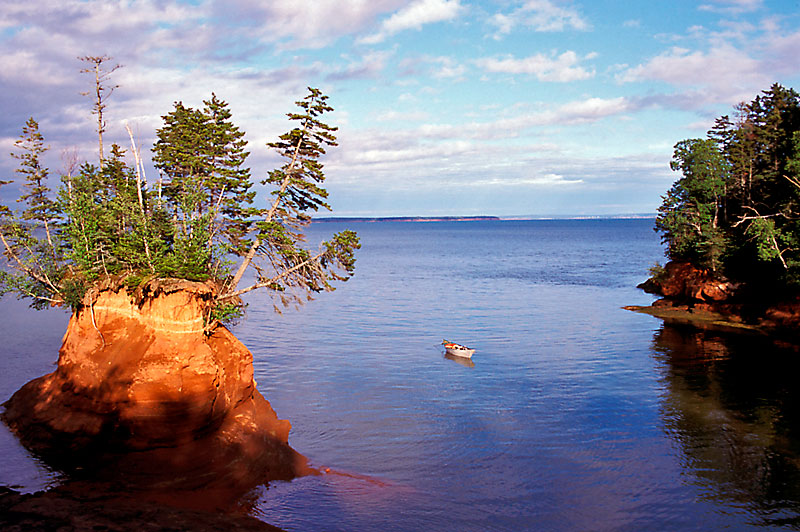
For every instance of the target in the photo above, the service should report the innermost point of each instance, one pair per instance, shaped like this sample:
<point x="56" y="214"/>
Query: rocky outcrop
<point x="143" y="396"/>
<point x="685" y="282"/>
<point x="693" y="295"/>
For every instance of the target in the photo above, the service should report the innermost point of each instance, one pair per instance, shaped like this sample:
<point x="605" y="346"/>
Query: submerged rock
<point x="145" y="398"/>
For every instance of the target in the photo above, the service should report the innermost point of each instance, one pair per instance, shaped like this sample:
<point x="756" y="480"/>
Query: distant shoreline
<point x="406" y="219"/>
<point x="376" y="219"/>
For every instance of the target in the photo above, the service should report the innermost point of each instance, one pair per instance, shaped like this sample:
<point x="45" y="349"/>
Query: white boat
<point x="457" y="350"/>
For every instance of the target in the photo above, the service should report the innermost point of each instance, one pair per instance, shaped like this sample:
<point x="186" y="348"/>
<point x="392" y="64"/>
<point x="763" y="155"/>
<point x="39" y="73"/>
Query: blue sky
<point x="445" y="107"/>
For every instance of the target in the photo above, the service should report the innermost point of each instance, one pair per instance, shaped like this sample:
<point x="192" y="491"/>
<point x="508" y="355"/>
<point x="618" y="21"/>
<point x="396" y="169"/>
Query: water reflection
<point x="466" y="362"/>
<point x="732" y="406"/>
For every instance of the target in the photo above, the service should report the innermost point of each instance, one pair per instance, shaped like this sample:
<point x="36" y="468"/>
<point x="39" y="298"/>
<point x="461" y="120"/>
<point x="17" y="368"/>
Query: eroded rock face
<point x="685" y="282"/>
<point x="142" y="387"/>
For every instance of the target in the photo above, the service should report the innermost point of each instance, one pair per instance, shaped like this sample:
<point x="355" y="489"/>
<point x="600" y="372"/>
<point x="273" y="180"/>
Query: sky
<point x="444" y="107"/>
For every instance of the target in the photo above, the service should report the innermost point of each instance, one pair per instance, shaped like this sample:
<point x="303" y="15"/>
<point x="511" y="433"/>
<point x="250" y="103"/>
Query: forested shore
<point x="731" y="221"/>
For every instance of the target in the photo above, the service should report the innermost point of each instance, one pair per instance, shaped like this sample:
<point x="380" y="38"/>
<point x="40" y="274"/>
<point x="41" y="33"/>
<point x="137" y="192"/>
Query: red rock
<point x="685" y="281"/>
<point x="141" y="386"/>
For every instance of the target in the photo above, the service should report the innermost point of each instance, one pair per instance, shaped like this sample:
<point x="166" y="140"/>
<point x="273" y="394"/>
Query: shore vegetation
<point x="735" y="210"/>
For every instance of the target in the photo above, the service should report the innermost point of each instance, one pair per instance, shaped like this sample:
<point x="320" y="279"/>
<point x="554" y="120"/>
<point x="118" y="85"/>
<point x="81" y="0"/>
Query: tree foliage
<point x="106" y="221"/>
<point x="279" y="262"/>
<point x="736" y="206"/>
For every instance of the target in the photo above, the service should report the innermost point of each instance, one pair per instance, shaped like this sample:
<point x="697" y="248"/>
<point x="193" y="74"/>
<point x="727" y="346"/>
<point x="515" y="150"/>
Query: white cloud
<point x="544" y="180"/>
<point x="414" y="16"/>
<point x="299" y="24"/>
<point x="540" y="15"/>
<point x="725" y="73"/>
<point x="371" y="65"/>
<point x="573" y="113"/>
<point x="731" y="6"/>
<point x="782" y="52"/>
<point x="563" y="68"/>
<point x="398" y="116"/>
<point x="593" y="109"/>
<point x="440" y="67"/>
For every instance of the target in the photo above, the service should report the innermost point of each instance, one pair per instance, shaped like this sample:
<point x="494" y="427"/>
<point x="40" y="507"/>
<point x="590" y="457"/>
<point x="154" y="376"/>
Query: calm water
<point x="576" y="415"/>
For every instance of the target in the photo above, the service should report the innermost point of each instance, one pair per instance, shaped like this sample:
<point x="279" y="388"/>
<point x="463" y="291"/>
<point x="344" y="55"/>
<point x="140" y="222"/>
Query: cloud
<point x="725" y="74"/>
<point x="563" y="68"/>
<point x="731" y="6"/>
<point x="371" y="65"/>
<point x="414" y="16"/>
<point x="398" y="116"/>
<point x="297" y="25"/>
<point x="573" y="113"/>
<point x="544" y="180"/>
<point x="440" y="67"/>
<point x="540" y="15"/>
<point x="781" y="53"/>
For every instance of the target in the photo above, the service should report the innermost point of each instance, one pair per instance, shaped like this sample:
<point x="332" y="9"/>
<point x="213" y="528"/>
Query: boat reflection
<point x="732" y="405"/>
<point x="466" y="362"/>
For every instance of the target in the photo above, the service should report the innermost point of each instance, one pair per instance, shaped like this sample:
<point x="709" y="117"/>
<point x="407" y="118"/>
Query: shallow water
<point x="574" y="415"/>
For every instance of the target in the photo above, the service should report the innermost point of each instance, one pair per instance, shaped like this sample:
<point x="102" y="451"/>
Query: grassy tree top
<point x="199" y="222"/>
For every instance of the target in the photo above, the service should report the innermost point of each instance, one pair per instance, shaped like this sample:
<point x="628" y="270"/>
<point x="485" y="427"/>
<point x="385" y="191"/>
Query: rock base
<point x="145" y="399"/>
<point x="693" y="295"/>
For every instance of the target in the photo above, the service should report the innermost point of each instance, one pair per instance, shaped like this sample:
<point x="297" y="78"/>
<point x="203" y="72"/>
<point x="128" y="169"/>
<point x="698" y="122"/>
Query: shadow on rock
<point x="146" y="403"/>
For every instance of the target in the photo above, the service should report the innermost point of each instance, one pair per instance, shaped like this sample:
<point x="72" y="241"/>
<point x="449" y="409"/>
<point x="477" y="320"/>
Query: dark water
<point x="575" y="414"/>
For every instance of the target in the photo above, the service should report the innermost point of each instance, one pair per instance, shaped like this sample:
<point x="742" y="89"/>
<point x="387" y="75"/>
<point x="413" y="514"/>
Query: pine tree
<point x="280" y="264"/>
<point x="36" y="259"/>
<point x="228" y="182"/>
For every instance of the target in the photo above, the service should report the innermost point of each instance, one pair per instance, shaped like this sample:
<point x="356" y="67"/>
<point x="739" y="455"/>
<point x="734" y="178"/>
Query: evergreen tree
<point x="35" y="258"/>
<point x="228" y="182"/>
<point x="279" y="263"/>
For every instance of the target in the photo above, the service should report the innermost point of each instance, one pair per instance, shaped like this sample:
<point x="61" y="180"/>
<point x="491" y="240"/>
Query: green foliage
<point x="689" y="217"/>
<point x="201" y="154"/>
<point x="280" y="263"/>
<point x="736" y="206"/>
<point x="657" y="272"/>
<point x="225" y="313"/>
<point x="104" y="222"/>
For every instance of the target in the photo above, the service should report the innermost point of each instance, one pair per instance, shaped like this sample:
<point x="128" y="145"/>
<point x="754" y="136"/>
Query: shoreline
<point x="694" y="296"/>
<point x="700" y="318"/>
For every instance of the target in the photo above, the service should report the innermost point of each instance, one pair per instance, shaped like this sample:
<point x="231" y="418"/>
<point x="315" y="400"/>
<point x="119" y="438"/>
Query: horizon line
<point x="478" y="217"/>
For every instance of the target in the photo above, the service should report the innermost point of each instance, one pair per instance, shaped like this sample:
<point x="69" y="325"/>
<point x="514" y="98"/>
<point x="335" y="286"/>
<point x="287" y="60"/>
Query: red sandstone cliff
<point x="684" y="282"/>
<point x="695" y="290"/>
<point x="143" y="396"/>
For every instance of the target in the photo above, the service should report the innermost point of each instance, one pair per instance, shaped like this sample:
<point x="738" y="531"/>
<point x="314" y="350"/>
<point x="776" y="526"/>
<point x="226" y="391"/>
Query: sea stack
<point x="144" y="394"/>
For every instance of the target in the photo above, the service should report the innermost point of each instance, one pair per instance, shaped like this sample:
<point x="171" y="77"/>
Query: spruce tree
<point x="280" y="264"/>
<point x="36" y="259"/>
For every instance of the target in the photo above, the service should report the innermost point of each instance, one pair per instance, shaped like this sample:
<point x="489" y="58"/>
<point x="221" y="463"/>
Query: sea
<point x="573" y="414"/>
